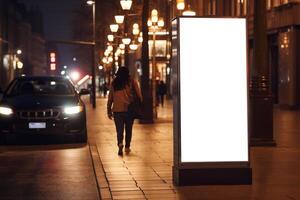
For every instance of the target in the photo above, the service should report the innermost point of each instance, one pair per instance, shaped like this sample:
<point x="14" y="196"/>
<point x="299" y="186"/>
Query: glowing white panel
<point x="213" y="90"/>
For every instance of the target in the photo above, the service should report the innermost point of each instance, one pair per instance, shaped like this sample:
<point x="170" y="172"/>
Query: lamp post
<point x="154" y="24"/>
<point x="93" y="71"/>
<point x="120" y="20"/>
<point x="126" y="6"/>
<point x="114" y="29"/>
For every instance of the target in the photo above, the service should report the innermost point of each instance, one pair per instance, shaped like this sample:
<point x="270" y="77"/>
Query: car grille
<point x="39" y="114"/>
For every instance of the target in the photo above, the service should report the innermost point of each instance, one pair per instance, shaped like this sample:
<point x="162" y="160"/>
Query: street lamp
<point x="140" y="38"/>
<point x="154" y="23"/>
<point x="133" y="46"/>
<point x="110" y="38"/>
<point x="189" y="11"/>
<point x="19" y="51"/>
<point x="135" y="29"/>
<point x="92" y="3"/>
<point x="126" y="40"/>
<point x="114" y="28"/>
<point x="180" y="4"/>
<point x="119" y="19"/>
<point x="126" y="4"/>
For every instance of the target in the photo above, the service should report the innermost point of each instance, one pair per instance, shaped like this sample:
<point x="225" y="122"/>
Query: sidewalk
<point x="146" y="173"/>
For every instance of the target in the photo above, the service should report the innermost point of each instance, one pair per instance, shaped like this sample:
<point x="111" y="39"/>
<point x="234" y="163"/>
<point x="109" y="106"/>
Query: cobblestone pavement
<point x="146" y="173"/>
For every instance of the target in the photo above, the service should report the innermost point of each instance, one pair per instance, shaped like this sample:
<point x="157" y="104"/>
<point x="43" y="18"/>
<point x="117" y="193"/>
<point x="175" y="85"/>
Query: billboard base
<point x="212" y="176"/>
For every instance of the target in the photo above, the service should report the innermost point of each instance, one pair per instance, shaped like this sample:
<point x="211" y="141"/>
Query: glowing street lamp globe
<point x="19" y="51"/>
<point x="160" y="22"/>
<point x="126" y="41"/>
<point x="133" y="46"/>
<point x="189" y="12"/>
<point x="90" y="2"/>
<point x="75" y="75"/>
<point x="126" y="4"/>
<point x="114" y="28"/>
<point x="122" y="46"/>
<point x="119" y="19"/>
<point x="180" y="4"/>
<point x="110" y="48"/>
<point x="110" y="38"/>
<point x="154" y="16"/>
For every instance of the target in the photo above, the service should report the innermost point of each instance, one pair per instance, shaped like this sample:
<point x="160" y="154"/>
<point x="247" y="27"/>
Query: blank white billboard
<point x="213" y="90"/>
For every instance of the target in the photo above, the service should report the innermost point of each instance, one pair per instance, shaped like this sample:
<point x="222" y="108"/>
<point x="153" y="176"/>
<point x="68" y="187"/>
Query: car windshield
<point x="40" y="87"/>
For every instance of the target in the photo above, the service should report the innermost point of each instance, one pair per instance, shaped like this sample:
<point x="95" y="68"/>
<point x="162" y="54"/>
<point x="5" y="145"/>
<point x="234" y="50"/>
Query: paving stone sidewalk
<point x="146" y="173"/>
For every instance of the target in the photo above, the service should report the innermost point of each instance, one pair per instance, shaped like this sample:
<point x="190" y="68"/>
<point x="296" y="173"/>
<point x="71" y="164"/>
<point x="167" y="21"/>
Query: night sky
<point x="58" y="22"/>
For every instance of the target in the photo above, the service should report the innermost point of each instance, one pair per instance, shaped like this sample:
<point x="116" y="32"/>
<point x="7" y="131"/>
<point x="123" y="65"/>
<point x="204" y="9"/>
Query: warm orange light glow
<point x="75" y="75"/>
<point x="90" y="2"/>
<point x="133" y="47"/>
<point x="160" y="22"/>
<point x="114" y="28"/>
<point x="119" y="19"/>
<point x="126" y="41"/>
<point x="85" y="78"/>
<point x="180" y="4"/>
<point x="19" y="51"/>
<point x="126" y="4"/>
<point x="189" y="12"/>
<point x="154" y="16"/>
<point x="52" y="66"/>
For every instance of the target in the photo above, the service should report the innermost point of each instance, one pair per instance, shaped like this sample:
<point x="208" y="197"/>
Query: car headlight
<point x="71" y="110"/>
<point x="6" y="110"/>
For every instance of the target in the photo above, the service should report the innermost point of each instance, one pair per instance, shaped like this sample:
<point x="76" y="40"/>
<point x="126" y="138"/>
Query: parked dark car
<point x="42" y="107"/>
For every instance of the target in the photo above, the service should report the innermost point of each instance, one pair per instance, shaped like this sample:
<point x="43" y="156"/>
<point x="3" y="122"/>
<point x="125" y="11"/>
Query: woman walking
<point x="120" y="95"/>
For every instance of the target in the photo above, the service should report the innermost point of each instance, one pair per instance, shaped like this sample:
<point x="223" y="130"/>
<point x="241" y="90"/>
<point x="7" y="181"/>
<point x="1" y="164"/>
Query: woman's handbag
<point x="135" y="105"/>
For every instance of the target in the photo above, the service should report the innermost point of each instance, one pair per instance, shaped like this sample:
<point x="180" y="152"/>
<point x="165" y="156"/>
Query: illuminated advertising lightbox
<point x="213" y="90"/>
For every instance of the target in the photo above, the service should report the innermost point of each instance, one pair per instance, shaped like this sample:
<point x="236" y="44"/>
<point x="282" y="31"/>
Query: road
<point x="63" y="171"/>
<point x="82" y="172"/>
<point x="47" y="172"/>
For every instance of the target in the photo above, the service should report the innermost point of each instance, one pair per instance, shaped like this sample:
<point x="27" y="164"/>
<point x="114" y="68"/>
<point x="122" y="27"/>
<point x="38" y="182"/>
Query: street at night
<point x="75" y="171"/>
<point x="149" y="99"/>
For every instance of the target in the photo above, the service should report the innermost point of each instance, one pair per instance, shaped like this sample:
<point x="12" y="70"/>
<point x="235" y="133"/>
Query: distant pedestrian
<point x="161" y="90"/>
<point x="119" y="98"/>
<point x="104" y="89"/>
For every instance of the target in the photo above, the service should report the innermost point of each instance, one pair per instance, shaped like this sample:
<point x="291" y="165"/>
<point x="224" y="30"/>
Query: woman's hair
<point x="122" y="79"/>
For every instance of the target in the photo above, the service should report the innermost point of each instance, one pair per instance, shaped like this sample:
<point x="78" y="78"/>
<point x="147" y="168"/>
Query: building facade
<point x="7" y="42"/>
<point x="20" y="30"/>
<point x="283" y="21"/>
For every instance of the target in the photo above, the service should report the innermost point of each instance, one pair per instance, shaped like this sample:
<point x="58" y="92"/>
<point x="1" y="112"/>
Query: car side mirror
<point x="84" y="91"/>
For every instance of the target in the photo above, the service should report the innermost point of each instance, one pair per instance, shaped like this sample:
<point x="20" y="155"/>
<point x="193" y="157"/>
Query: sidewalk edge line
<point x="94" y="169"/>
